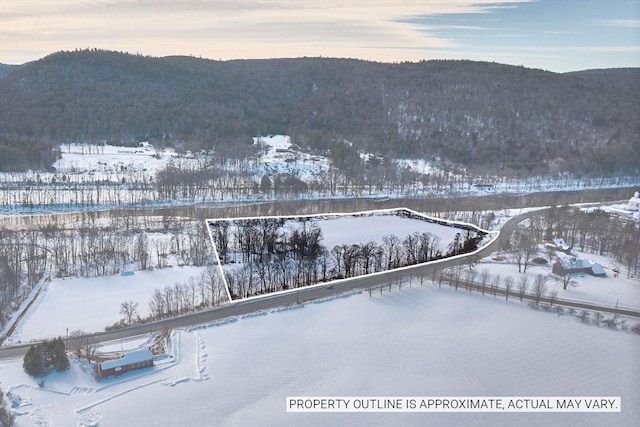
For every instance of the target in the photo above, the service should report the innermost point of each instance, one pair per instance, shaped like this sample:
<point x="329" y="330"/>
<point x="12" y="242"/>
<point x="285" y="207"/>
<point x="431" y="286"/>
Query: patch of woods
<point x="96" y="248"/>
<point x="593" y="231"/>
<point x="231" y="174"/>
<point x="482" y="116"/>
<point x="265" y="255"/>
<point x="18" y="153"/>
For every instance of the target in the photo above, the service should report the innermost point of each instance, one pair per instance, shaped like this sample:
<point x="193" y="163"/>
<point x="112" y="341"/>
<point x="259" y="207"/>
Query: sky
<point x="555" y="35"/>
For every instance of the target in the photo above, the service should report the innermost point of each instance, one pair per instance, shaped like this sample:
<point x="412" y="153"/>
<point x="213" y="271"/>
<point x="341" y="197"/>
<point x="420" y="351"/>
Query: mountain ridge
<point x="476" y="114"/>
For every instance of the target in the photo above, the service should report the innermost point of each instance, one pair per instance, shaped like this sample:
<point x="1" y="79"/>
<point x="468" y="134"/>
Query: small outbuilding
<point x="128" y="362"/>
<point x="559" y="244"/>
<point x="577" y="266"/>
<point x="634" y="202"/>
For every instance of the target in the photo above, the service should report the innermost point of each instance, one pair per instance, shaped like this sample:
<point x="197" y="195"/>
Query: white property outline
<point x="448" y="223"/>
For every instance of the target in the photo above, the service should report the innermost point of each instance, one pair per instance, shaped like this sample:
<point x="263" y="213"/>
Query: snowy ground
<point x="103" y="161"/>
<point x="420" y="341"/>
<point x="363" y="227"/>
<point x="338" y="230"/>
<point x="90" y="304"/>
<point x="280" y="156"/>
<point x="609" y="291"/>
<point x="99" y="176"/>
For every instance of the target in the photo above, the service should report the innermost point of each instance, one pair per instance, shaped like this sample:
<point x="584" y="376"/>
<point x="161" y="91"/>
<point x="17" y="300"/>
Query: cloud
<point x="621" y="23"/>
<point x="371" y="29"/>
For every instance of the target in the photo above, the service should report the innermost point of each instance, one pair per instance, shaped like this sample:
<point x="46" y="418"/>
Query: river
<point x="300" y="207"/>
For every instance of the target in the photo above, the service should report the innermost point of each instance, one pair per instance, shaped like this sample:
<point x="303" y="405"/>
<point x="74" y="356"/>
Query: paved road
<point x="270" y="302"/>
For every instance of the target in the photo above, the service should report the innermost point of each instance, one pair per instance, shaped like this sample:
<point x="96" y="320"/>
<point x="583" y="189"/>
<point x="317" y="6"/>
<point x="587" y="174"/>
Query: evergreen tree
<point x="40" y="357"/>
<point x="34" y="361"/>
<point x="59" y="357"/>
<point x="7" y="418"/>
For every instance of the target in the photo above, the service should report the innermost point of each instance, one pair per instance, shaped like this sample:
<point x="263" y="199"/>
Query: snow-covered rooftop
<point x="128" y="358"/>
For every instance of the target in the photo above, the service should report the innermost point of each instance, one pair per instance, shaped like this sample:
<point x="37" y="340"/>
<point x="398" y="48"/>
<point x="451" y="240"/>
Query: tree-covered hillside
<point x="484" y="116"/>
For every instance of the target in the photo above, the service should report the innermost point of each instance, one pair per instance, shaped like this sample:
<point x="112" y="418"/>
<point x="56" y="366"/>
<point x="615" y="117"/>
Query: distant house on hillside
<point x="634" y="202"/>
<point x="128" y="362"/>
<point x="559" y="245"/>
<point x="577" y="266"/>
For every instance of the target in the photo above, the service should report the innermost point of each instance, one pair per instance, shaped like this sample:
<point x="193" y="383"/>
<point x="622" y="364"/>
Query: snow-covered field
<point x="102" y="162"/>
<point x="348" y="230"/>
<point x="90" y="304"/>
<point x="363" y="227"/>
<point x="420" y="341"/>
<point x="280" y="156"/>
<point x="89" y="177"/>
<point x="609" y="291"/>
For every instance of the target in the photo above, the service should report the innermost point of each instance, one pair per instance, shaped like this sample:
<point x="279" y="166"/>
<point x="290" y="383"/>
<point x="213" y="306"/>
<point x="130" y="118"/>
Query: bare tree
<point x="553" y="295"/>
<point x="410" y="245"/>
<point x="508" y="286"/>
<point x="141" y="250"/>
<point x="495" y="284"/>
<point x="436" y="273"/>
<point x="367" y="255"/>
<point x="584" y="316"/>
<point x="523" y="285"/>
<point x="211" y="280"/>
<point x="484" y="278"/>
<point x="81" y="344"/>
<point x="597" y="318"/>
<point x="540" y="287"/>
<point x="162" y="252"/>
<point x="454" y="275"/>
<point x="393" y="250"/>
<point x="129" y="312"/>
<point x="523" y="249"/>
<point x="566" y="279"/>
<point x="469" y="277"/>
<point x="157" y="305"/>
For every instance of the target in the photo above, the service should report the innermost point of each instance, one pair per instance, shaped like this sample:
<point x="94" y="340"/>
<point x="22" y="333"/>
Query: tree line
<point x="536" y="290"/>
<point x="591" y="230"/>
<point x="93" y="249"/>
<point x="273" y="258"/>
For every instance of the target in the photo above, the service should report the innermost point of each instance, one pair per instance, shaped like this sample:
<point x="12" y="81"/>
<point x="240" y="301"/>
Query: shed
<point x="128" y="362"/>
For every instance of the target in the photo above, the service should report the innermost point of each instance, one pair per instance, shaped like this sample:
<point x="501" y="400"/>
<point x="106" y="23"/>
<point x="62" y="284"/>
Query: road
<point x="318" y="292"/>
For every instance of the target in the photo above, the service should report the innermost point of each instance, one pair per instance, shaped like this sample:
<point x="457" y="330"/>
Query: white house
<point x="634" y="202"/>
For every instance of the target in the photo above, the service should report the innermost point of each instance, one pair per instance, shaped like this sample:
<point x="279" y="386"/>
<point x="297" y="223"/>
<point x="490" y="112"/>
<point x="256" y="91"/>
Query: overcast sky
<point x="556" y="35"/>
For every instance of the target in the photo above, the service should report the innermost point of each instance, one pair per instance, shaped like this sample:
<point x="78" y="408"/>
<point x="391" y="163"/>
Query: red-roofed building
<point x="128" y="362"/>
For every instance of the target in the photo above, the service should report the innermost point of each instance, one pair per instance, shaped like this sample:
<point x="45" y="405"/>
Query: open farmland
<point x="435" y="342"/>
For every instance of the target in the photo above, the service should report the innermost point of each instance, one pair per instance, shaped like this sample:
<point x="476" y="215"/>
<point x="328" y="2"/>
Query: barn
<point x="128" y="362"/>
<point x="577" y="266"/>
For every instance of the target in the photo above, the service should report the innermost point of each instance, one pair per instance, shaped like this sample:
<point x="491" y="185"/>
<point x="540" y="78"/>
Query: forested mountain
<point x="485" y="116"/>
<point x="6" y="69"/>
